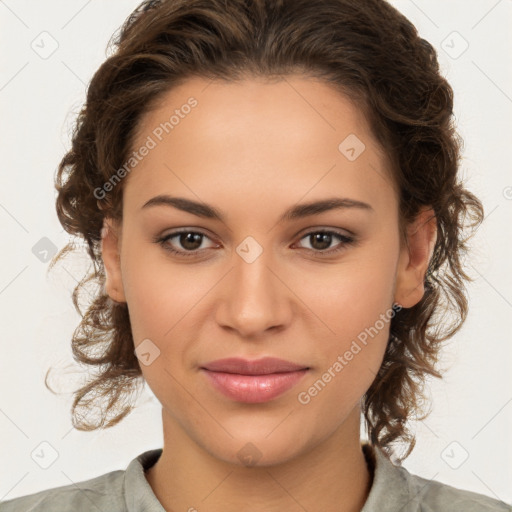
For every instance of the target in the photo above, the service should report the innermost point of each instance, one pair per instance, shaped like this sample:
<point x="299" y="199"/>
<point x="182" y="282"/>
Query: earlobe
<point x="110" y="253"/>
<point x="415" y="258"/>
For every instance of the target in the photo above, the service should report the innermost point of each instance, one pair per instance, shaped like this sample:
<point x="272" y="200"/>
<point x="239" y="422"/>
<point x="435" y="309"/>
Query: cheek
<point x="159" y="293"/>
<point x="351" y="296"/>
<point x="355" y="304"/>
<point x="166" y="304"/>
<point x="347" y="360"/>
<point x="162" y="302"/>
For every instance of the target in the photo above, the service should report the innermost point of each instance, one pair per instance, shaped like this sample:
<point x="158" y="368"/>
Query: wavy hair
<point x="372" y="54"/>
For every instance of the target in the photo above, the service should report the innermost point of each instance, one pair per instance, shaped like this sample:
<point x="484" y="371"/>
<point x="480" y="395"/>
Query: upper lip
<point x="263" y="366"/>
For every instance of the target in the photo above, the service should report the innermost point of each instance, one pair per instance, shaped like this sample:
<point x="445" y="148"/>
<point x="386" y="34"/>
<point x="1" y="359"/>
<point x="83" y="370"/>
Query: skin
<point x="252" y="149"/>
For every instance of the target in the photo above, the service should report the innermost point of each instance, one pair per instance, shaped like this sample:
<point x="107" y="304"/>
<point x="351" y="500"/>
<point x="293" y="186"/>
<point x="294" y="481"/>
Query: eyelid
<point x="316" y="229"/>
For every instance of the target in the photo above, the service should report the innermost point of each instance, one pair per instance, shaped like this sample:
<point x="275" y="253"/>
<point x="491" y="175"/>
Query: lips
<point x="262" y="366"/>
<point x="256" y="381"/>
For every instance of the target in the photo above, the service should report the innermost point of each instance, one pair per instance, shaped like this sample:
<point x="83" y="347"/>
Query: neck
<point x="333" y="475"/>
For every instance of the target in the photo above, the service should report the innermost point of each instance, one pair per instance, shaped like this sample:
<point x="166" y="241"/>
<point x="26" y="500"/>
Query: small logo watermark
<point x="351" y="147"/>
<point x="147" y="352"/>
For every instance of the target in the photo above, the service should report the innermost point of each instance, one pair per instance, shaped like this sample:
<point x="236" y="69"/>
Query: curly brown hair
<point x="374" y="56"/>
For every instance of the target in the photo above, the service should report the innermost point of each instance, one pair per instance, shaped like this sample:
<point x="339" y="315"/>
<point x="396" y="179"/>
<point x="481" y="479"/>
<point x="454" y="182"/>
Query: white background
<point x="39" y="98"/>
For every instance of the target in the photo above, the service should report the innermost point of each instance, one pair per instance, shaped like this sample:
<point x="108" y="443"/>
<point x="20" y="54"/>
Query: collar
<point x="389" y="492"/>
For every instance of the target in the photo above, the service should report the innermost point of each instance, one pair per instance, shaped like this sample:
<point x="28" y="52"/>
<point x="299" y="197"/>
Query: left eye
<point x="321" y="240"/>
<point x="191" y="242"/>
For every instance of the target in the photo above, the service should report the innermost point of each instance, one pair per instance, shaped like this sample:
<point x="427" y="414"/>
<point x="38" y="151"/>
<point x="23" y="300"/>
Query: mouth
<point x="255" y="381"/>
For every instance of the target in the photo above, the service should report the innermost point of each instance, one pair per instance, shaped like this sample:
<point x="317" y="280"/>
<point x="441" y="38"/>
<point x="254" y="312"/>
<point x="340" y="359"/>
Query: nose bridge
<point x="252" y="275"/>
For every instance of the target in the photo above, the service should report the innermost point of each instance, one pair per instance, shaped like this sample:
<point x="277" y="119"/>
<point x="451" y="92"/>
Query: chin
<point x="257" y="453"/>
<point x="251" y="447"/>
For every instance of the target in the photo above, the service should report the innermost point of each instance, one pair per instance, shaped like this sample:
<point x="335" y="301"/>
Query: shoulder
<point x="434" y="496"/>
<point x="395" y="488"/>
<point x="104" y="492"/>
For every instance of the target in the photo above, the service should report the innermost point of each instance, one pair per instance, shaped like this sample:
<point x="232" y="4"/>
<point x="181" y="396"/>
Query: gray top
<point x="394" y="489"/>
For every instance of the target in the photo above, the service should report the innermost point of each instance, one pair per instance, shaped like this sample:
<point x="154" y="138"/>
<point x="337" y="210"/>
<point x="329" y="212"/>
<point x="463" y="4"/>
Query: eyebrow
<point x="294" y="212"/>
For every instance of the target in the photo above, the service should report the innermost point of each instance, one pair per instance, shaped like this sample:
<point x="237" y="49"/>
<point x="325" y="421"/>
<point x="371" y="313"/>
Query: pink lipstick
<point x="254" y="381"/>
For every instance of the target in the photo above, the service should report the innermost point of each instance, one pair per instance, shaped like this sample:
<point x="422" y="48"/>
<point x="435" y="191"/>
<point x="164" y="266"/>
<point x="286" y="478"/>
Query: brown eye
<point x="190" y="241"/>
<point x="184" y="242"/>
<point x="320" y="241"/>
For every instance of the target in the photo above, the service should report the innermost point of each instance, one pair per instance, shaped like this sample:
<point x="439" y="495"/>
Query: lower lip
<point x="253" y="389"/>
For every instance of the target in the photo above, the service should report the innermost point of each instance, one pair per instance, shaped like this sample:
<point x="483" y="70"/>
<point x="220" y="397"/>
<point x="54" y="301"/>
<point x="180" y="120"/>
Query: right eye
<point x="189" y="240"/>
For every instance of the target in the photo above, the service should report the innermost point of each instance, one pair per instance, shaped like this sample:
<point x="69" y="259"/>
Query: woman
<point x="269" y="192"/>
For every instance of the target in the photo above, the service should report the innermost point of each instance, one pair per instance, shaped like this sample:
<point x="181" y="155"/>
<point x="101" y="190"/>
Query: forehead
<point x="295" y="136"/>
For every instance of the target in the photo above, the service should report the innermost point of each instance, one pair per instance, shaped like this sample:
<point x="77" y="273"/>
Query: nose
<point x="254" y="297"/>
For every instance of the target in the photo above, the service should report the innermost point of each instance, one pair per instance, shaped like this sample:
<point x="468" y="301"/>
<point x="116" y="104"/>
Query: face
<point x="240" y="278"/>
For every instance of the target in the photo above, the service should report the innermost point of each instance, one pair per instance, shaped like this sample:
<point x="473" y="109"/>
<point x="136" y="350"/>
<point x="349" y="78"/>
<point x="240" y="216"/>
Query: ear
<point x="414" y="259"/>
<point x="110" y="253"/>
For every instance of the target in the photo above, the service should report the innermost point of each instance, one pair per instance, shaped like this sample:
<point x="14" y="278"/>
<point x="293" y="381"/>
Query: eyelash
<point x="345" y="241"/>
